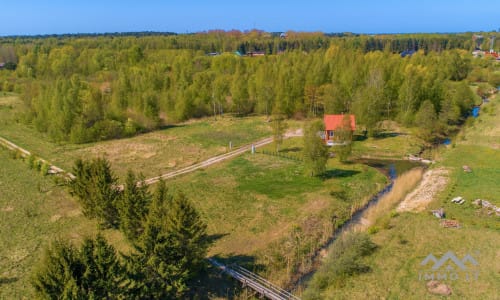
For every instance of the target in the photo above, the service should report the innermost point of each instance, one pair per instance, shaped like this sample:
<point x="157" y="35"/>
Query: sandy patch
<point x="55" y="218"/>
<point x="7" y="208"/>
<point x="74" y="213"/>
<point x="18" y="255"/>
<point x="122" y="150"/>
<point x="434" y="181"/>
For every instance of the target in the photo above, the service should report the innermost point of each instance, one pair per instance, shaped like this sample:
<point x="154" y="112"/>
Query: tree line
<point x="80" y="89"/>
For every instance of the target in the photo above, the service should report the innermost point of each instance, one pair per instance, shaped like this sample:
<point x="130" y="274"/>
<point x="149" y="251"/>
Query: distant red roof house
<point x="334" y="122"/>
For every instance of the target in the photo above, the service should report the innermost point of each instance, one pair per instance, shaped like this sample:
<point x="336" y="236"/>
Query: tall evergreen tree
<point x="103" y="273"/>
<point x="93" y="272"/>
<point x="171" y="249"/>
<point x="133" y="206"/>
<point x="96" y="189"/>
<point x="55" y="277"/>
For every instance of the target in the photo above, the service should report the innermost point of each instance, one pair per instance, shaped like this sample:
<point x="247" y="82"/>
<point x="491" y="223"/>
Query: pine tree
<point x="103" y="273"/>
<point x="133" y="206"/>
<point x="93" y="272"/>
<point x="187" y="234"/>
<point x="80" y="187"/>
<point x="171" y="250"/>
<point x="56" y="275"/>
<point x="95" y="187"/>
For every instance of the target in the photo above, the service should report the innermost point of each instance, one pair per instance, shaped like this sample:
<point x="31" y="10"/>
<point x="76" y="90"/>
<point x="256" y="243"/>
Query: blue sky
<point x="361" y="16"/>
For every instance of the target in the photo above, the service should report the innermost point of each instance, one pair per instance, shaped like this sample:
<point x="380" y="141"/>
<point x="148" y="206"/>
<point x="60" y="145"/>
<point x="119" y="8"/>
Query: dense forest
<point x="82" y="88"/>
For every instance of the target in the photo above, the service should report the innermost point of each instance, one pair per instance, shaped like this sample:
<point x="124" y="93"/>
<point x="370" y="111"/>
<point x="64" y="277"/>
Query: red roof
<point x="333" y="122"/>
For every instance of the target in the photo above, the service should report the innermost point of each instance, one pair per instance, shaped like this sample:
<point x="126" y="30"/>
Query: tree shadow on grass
<point x="5" y="280"/>
<point x="212" y="238"/>
<point x="214" y="283"/>
<point x="292" y="149"/>
<point x="387" y="134"/>
<point x="359" y="137"/>
<point x="338" y="173"/>
<point x="170" y="126"/>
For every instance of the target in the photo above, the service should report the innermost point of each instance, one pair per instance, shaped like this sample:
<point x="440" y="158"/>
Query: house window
<point x="330" y="133"/>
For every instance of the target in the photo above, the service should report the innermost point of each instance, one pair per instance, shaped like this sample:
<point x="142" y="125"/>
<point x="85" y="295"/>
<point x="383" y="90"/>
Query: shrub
<point x="31" y="161"/>
<point x="394" y="214"/>
<point x="373" y="229"/>
<point x="44" y="168"/>
<point x="344" y="260"/>
<point x="17" y="154"/>
<point x="385" y="223"/>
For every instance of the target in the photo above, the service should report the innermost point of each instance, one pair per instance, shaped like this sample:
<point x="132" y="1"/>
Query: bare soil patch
<point x="7" y="208"/>
<point x="433" y="182"/>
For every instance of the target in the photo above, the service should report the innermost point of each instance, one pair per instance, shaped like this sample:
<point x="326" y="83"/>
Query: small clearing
<point x="432" y="183"/>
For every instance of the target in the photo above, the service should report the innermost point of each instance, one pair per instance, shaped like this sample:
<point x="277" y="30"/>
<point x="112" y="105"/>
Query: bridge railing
<point x="255" y="282"/>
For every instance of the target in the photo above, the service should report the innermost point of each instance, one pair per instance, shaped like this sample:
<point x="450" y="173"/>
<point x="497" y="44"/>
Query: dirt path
<point x="25" y="153"/>
<point x="220" y="158"/>
<point x="203" y="164"/>
<point x="433" y="182"/>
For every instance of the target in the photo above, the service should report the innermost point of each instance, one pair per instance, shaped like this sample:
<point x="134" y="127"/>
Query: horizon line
<point x="153" y="32"/>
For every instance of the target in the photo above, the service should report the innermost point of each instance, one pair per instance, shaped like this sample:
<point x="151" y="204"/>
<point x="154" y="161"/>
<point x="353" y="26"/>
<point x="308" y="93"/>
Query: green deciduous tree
<point x="344" y="135"/>
<point x="279" y="126"/>
<point x="315" y="151"/>
<point x="426" y="120"/>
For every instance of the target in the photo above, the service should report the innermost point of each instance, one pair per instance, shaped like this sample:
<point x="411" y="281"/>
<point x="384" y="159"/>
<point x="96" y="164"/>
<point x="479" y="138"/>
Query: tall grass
<point x="402" y="186"/>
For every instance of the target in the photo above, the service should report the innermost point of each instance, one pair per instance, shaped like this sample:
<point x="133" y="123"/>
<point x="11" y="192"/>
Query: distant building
<point x="256" y="53"/>
<point x="2" y="65"/>
<point x="407" y="53"/>
<point x="334" y="123"/>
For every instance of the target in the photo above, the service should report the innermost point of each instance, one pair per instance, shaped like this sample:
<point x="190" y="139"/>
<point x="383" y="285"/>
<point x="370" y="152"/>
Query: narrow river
<point x="392" y="169"/>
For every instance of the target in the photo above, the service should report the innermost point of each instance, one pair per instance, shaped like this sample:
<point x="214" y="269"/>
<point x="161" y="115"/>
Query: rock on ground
<point x="438" y="288"/>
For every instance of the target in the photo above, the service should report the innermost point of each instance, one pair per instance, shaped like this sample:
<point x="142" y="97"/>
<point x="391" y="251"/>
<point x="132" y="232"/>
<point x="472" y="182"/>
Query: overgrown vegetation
<point x="344" y="260"/>
<point x="406" y="239"/>
<point x="80" y="90"/>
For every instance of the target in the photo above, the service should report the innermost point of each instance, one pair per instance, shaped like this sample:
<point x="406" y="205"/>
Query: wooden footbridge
<point x="260" y="285"/>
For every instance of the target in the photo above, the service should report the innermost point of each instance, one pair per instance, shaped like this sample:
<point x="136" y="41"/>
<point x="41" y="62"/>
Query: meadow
<point x="256" y="202"/>
<point x="33" y="212"/>
<point x="405" y="239"/>
<point x="255" y="205"/>
<point x="150" y="153"/>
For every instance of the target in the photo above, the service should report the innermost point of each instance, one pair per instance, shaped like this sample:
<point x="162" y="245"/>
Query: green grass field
<point x="255" y="201"/>
<point x="395" y="266"/>
<point x="33" y="212"/>
<point x="394" y="143"/>
<point x="152" y="153"/>
<point x="251" y="203"/>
